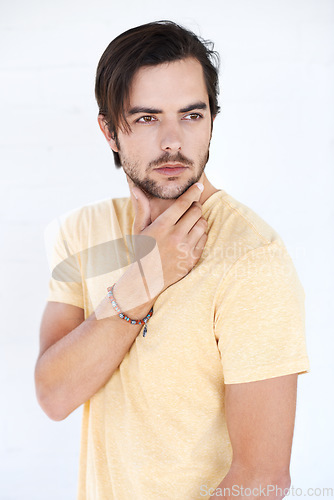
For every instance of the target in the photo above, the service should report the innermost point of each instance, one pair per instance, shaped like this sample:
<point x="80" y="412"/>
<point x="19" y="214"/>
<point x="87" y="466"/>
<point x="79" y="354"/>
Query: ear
<point x="105" y="131"/>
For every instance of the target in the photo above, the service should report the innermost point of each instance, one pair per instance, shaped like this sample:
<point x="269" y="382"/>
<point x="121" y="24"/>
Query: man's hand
<point x="180" y="234"/>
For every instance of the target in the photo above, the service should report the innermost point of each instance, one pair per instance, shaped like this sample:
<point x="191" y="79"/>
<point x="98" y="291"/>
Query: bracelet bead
<point x="123" y="316"/>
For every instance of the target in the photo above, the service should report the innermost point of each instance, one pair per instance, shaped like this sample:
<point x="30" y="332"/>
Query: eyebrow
<point x="154" y="111"/>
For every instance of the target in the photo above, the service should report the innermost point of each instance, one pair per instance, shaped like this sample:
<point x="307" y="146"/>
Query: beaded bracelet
<point x="123" y="316"/>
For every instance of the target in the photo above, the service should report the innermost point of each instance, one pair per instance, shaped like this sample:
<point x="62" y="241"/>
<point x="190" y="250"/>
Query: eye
<point x="193" y="116"/>
<point x="145" y="119"/>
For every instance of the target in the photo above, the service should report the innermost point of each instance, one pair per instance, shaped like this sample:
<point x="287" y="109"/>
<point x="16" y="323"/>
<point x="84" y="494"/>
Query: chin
<point x="173" y="193"/>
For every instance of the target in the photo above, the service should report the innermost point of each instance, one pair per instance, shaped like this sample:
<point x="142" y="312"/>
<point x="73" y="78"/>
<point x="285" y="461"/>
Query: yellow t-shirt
<point x="157" y="428"/>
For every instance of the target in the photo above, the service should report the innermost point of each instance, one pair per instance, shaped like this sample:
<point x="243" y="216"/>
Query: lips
<point x="171" y="169"/>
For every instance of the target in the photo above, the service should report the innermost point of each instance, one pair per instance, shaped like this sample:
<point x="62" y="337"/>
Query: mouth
<point x="171" y="169"/>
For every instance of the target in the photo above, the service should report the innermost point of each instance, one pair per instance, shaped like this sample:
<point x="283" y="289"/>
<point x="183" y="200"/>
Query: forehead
<point x="177" y="82"/>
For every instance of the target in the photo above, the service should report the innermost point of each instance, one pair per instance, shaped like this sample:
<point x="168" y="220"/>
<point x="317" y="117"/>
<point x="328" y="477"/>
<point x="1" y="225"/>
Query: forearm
<point x="243" y="484"/>
<point x="73" y="369"/>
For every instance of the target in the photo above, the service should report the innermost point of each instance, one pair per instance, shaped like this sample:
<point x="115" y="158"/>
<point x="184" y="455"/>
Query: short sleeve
<point x="260" y="317"/>
<point x="65" y="284"/>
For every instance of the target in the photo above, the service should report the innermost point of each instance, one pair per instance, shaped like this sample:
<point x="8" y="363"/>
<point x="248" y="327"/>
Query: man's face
<point x="170" y="121"/>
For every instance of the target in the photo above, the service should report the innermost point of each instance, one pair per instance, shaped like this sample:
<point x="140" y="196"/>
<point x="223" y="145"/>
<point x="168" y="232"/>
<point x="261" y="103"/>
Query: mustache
<point x="167" y="158"/>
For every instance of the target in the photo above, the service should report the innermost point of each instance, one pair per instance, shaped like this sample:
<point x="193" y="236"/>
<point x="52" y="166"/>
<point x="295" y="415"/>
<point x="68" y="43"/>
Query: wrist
<point x="132" y="294"/>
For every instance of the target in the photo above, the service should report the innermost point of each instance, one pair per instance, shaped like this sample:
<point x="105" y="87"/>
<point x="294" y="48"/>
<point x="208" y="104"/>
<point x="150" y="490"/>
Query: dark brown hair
<point x="148" y="45"/>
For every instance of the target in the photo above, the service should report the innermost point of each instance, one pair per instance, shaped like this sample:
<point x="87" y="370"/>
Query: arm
<point x="260" y="418"/>
<point x="77" y="357"/>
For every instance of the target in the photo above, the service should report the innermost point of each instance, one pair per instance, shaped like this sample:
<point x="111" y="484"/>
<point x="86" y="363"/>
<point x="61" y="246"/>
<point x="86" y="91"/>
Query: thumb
<point x="142" y="210"/>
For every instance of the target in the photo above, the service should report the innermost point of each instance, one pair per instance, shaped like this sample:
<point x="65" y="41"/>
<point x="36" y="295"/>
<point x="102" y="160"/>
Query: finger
<point x="199" y="247"/>
<point x="182" y="204"/>
<point x="185" y="224"/>
<point x="198" y="231"/>
<point x="142" y="210"/>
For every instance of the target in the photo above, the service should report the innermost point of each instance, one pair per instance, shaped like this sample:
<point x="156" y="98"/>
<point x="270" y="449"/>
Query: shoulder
<point x="240" y="239"/>
<point x="246" y="247"/>
<point x="92" y="216"/>
<point x="238" y="223"/>
<point x="95" y="210"/>
<point x="79" y="226"/>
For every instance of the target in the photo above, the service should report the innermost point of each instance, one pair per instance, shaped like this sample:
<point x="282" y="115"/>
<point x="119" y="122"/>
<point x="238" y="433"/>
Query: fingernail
<point x="134" y="194"/>
<point x="200" y="186"/>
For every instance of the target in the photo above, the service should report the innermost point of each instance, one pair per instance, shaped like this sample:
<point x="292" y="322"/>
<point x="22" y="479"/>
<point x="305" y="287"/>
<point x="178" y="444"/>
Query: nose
<point x="171" y="138"/>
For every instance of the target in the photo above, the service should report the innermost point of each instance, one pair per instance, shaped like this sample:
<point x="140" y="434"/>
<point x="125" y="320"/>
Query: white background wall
<point x="272" y="150"/>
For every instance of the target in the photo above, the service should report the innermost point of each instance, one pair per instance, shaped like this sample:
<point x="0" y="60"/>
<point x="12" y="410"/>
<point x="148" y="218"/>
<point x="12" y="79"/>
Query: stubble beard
<point x="154" y="189"/>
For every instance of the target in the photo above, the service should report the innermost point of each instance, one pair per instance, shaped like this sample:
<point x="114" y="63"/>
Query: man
<point x="198" y="399"/>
